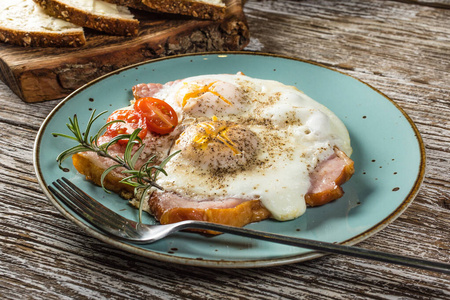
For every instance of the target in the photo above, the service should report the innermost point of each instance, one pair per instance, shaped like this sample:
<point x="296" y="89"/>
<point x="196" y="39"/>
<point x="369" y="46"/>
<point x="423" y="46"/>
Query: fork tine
<point x="96" y="207"/>
<point x="88" y="202"/>
<point x="72" y="200"/>
<point x="69" y="203"/>
<point x="77" y="195"/>
<point x="91" y="210"/>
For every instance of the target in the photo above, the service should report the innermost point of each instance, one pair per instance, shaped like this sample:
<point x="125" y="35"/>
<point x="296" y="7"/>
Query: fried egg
<point x="250" y="139"/>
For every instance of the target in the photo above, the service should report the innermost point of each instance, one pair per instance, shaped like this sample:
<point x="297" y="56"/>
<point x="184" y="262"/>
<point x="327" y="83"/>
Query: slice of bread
<point x="203" y="9"/>
<point x="24" y="23"/>
<point x="95" y="14"/>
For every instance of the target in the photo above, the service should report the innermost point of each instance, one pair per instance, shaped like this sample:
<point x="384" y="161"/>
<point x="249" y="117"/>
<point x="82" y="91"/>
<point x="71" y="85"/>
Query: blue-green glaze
<point x="388" y="152"/>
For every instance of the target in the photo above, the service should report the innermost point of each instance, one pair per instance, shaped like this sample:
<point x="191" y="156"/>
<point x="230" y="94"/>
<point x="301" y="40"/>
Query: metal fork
<point x="131" y="231"/>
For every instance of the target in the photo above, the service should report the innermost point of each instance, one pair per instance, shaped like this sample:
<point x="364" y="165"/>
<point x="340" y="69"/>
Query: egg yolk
<point x="218" y="144"/>
<point x="214" y="130"/>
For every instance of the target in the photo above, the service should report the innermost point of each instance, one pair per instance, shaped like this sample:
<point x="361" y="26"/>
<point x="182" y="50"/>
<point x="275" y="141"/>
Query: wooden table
<point x="401" y="48"/>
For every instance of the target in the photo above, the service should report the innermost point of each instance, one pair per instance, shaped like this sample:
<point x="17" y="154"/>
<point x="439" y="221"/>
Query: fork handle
<point x="324" y="246"/>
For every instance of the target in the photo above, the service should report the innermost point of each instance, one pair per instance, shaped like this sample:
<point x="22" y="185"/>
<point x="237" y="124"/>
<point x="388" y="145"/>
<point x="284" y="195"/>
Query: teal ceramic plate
<point x="388" y="152"/>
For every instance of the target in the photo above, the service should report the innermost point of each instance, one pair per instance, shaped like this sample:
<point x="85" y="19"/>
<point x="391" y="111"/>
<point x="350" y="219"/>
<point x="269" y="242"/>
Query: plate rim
<point x="131" y="248"/>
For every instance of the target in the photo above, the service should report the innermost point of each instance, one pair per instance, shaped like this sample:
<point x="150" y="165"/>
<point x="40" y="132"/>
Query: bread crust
<point x="195" y="9"/>
<point x="42" y="38"/>
<point x="57" y="9"/>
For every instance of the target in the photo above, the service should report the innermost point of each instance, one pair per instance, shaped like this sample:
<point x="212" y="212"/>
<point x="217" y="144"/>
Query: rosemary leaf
<point x="129" y="148"/>
<point x="114" y="140"/>
<point x="94" y="139"/>
<point x="130" y="181"/>
<point x="136" y="155"/>
<point x="69" y="152"/>
<point x="145" y="193"/>
<point x="75" y="128"/>
<point x="92" y="119"/>
<point x="65" y="136"/>
<point x="164" y="162"/>
<point x="105" y="173"/>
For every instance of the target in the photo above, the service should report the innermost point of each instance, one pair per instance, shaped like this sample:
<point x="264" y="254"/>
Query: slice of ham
<point x="143" y="90"/>
<point x="327" y="178"/>
<point x="326" y="181"/>
<point x="171" y="208"/>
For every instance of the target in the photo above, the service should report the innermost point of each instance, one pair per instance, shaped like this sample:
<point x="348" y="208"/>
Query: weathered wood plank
<point x="400" y="48"/>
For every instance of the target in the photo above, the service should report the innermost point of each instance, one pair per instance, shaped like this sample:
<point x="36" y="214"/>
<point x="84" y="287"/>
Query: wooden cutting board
<point x="39" y="74"/>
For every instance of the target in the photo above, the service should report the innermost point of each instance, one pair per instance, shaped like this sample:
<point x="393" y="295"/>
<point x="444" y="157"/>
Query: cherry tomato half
<point x="133" y="120"/>
<point x="160" y="116"/>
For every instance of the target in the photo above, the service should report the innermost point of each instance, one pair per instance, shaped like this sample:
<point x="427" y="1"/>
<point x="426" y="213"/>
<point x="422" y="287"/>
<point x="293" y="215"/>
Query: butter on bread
<point x="24" y="23"/>
<point x="95" y="14"/>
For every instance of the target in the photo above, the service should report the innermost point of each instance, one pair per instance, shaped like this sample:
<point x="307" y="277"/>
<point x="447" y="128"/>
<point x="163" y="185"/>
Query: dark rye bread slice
<point x="24" y="23"/>
<point x="95" y="14"/>
<point x="202" y="9"/>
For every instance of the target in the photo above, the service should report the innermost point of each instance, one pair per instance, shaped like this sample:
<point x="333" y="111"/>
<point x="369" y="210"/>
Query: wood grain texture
<point x="39" y="74"/>
<point x="402" y="48"/>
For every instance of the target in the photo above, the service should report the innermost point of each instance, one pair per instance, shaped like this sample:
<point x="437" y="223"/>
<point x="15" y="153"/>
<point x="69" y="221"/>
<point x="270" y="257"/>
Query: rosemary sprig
<point x="142" y="179"/>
